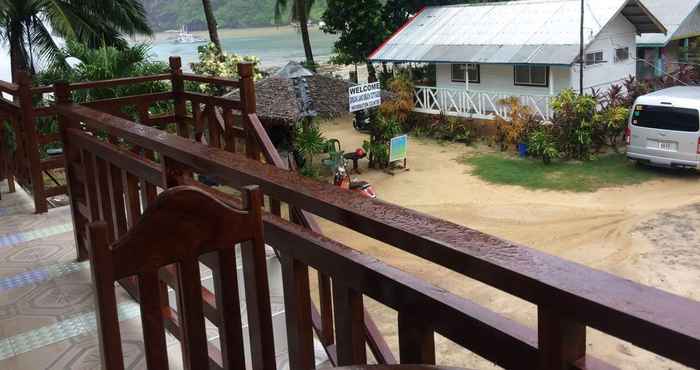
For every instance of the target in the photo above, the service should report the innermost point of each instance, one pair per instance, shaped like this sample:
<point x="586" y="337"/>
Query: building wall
<point x="499" y="78"/>
<point x="617" y="34"/>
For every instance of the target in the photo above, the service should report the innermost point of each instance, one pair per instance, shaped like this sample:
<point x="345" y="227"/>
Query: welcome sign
<point x="365" y="96"/>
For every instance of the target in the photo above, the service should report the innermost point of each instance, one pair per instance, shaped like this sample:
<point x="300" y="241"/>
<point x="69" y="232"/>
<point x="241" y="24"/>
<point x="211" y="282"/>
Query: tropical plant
<point x="541" y="144"/>
<point x="574" y="116"/>
<point x="309" y="141"/>
<point x="211" y="23"/>
<point x="382" y="131"/>
<point x="299" y="14"/>
<point x="402" y="104"/>
<point x="513" y="129"/>
<point x="27" y="26"/>
<point x="213" y="62"/>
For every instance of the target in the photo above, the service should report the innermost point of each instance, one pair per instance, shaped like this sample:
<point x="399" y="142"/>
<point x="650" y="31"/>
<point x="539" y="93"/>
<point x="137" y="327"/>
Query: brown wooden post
<point x="561" y="341"/>
<point x="416" y="341"/>
<point x="74" y="188"/>
<point x="297" y="304"/>
<point x="32" y="142"/>
<point x="245" y="70"/>
<point x="349" y="326"/>
<point x="178" y="92"/>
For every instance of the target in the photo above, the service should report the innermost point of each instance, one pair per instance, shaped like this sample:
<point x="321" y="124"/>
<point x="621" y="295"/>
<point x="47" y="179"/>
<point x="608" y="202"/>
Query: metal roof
<point x="515" y="32"/>
<point x="672" y="13"/>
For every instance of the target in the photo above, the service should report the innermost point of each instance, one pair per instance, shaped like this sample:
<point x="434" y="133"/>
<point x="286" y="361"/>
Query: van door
<point x="666" y="131"/>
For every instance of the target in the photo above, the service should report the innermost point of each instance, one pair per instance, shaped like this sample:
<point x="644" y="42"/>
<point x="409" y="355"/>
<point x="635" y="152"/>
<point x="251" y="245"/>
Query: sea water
<point x="275" y="46"/>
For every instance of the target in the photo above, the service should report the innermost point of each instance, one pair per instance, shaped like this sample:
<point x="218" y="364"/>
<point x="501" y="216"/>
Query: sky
<point x="4" y="63"/>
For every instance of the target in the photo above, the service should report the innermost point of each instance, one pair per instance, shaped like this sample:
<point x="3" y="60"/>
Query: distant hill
<point x="172" y="14"/>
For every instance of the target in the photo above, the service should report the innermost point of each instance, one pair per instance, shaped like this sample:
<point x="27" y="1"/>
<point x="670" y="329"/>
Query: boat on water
<point x="186" y="37"/>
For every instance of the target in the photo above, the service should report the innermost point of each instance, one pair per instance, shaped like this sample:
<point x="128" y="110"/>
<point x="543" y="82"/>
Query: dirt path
<point x="646" y="233"/>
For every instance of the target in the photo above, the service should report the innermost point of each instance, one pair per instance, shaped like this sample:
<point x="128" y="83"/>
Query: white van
<point x="664" y="128"/>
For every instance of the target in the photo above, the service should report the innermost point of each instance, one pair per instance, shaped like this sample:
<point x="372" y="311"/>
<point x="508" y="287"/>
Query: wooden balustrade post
<point x="178" y="84"/>
<point x="247" y="93"/>
<point x="173" y="172"/>
<point x="416" y="341"/>
<point x="297" y="305"/>
<point x="349" y="326"/>
<point x="74" y="188"/>
<point x="29" y="130"/>
<point x="561" y="342"/>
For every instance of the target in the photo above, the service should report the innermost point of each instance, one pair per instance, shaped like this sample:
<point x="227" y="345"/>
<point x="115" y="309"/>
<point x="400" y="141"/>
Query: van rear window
<point x="666" y="118"/>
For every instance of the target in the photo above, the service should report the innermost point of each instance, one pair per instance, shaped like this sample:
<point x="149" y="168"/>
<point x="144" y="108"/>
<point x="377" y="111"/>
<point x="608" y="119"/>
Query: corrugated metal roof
<point x="671" y="13"/>
<point x="528" y="31"/>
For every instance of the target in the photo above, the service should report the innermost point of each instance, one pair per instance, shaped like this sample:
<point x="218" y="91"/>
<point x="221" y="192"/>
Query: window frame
<point x="530" y="83"/>
<point x="618" y="60"/>
<point x="477" y="68"/>
<point x="595" y="63"/>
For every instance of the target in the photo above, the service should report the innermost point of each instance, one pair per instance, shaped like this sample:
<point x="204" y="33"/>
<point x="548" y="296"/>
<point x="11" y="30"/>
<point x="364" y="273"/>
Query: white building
<point x="661" y="53"/>
<point x="529" y="49"/>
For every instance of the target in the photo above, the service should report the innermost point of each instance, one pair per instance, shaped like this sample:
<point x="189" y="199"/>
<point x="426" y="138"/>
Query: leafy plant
<point x="402" y="105"/>
<point x="574" y="116"/>
<point x="213" y="62"/>
<point x="541" y="144"/>
<point x="451" y="129"/>
<point x="309" y="141"/>
<point x="383" y="129"/>
<point x="520" y="121"/>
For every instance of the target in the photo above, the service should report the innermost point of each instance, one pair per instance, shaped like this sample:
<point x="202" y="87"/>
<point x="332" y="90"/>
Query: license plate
<point x="667" y="146"/>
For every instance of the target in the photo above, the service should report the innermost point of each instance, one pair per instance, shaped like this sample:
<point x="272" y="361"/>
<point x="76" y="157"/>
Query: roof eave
<point x="642" y="18"/>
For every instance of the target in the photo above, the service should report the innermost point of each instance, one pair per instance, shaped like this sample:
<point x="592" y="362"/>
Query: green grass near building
<point x="605" y="171"/>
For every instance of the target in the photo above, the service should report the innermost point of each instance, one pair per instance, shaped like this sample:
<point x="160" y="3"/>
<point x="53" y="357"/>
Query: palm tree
<point x="211" y="23"/>
<point x="27" y="26"/>
<point x="300" y="13"/>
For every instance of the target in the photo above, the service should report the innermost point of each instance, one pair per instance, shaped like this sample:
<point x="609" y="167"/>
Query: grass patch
<point x="606" y="171"/>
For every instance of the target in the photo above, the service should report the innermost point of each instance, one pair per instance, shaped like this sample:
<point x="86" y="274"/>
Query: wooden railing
<point x="217" y="122"/>
<point x="107" y="162"/>
<point x="476" y="104"/>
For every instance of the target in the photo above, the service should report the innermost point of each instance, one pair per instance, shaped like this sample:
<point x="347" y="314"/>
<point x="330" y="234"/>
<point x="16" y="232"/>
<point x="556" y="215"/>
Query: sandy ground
<point x="646" y="233"/>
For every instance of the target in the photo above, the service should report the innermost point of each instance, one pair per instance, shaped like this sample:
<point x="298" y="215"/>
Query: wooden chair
<point x="181" y="226"/>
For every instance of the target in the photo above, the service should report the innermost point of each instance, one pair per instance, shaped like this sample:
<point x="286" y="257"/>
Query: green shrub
<point x="383" y="129"/>
<point x="542" y="145"/>
<point x="574" y="117"/>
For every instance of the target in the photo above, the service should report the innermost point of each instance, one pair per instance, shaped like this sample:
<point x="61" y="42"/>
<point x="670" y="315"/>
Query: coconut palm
<point x="299" y="13"/>
<point x="27" y="26"/>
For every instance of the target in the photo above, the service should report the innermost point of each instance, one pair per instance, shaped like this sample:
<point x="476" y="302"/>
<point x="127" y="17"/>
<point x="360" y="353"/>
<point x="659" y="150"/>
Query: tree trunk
<point x="211" y="24"/>
<point x="304" y="27"/>
<point x="371" y="72"/>
<point x="17" y="61"/>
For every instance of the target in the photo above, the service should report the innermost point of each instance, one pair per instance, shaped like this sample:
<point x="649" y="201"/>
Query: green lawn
<point x="606" y="171"/>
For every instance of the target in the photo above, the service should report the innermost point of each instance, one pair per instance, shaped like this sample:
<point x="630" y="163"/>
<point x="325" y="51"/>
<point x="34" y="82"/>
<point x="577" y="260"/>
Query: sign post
<point x="364" y="96"/>
<point x="398" y="147"/>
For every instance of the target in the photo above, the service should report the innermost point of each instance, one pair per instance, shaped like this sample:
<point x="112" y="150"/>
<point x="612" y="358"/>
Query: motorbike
<point x="343" y="180"/>
<point x="362" y="121"/>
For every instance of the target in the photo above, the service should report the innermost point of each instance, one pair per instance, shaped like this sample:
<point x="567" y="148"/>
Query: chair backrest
<point x="184" y="224"/>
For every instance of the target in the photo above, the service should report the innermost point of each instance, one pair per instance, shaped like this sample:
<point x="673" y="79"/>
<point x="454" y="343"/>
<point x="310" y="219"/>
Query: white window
<point x="459" y="73"/>
<point x="622" y="54"/>
<point x="594" y="58"/>
<point x="529" y="75"/>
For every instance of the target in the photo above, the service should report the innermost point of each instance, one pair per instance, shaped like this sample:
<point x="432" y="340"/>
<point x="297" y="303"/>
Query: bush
<point x="213" y="62"/>
<point x="382" y="131"/>
<point x="574" y="117"/>
<point x="309" y="141"/>
<point x="514" y="130"/>
<point x="541" y="144"/>
<point x="401" y="107"/>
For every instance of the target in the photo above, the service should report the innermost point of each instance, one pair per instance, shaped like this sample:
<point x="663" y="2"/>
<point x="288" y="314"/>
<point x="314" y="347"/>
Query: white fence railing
<point x="475" y="104"/>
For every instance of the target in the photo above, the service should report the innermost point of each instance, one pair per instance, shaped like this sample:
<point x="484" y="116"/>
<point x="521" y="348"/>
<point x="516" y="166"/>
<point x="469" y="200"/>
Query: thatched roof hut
<point x="277" y="103"/>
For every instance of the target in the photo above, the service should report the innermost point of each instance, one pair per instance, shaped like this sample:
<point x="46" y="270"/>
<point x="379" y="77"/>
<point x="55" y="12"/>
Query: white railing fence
<point x="475" y="104"/>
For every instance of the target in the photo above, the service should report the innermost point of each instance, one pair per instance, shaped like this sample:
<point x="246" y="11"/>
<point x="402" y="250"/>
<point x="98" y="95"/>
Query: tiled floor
<point x="47" y="318"/>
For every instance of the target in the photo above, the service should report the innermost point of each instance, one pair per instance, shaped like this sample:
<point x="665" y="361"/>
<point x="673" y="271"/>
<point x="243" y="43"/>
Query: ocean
<point x="275" y="46"/>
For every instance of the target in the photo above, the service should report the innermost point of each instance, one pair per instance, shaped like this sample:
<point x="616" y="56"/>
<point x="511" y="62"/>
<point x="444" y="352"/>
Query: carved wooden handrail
<point x="569" y="296"/>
